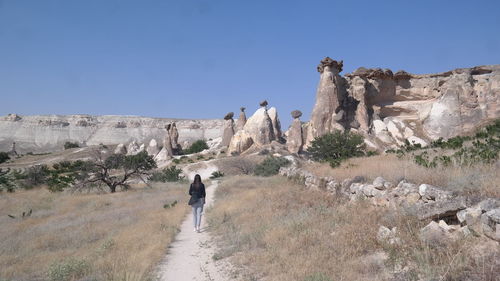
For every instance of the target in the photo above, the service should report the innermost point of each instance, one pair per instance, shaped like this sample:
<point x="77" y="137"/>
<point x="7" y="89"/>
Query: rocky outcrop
<point x="242" y="120"/>
<point x="121" y="149"/>
<point x="228" y="129"/>
<point x="167" y="142"/>
<point x="273" y="114"/>
<point x="174" y="135"/>
<point x="46" y="133"/>
<point x="133" y="148"/>
<point x="153" y="148"/>
<point x="240" y="142"/>
<point x="260" y="127"/>
<point x="452" y="216"/>
<point x="294" y="139"/>
<point x="391" y="107"/>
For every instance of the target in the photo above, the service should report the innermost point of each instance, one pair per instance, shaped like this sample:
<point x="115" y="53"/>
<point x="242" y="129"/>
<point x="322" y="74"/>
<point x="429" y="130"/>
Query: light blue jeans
<point x="197" y="211"/>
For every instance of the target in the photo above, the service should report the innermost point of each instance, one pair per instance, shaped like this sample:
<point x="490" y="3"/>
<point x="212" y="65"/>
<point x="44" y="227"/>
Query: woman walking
<point x="197" y="192"/>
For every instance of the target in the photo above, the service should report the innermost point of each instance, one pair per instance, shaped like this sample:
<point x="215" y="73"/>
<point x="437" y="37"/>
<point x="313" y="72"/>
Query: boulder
<point x="296" y="114"/>
<point x="438" y="209"/>
<point x="162" y="156"/>
<point x="491" y="224"/>
<point x="242" y="120"/>
<point x="121" y="149"/>
<point x="435" y="235"/>
<point x="153" y="148"/>
<point x="240" y="142"/>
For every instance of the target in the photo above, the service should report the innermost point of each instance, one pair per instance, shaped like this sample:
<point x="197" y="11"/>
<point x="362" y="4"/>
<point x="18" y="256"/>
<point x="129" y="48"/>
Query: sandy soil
<point x="190" y="256"/>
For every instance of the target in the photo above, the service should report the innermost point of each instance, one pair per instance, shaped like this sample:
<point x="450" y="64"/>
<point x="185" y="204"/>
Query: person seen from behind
<point x="197" y="200"/>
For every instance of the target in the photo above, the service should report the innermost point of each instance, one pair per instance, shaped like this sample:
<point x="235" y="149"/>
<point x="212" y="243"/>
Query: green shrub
<point x="270" y="166"/>
<point x="6" y="181"/>
<point x="4" y="157"/>
<point x="169" y="174"/>
<point x="196" y="147"/>
<point x="34" y="176"/>
<point x="68" y="270"/>
<point x="217" y="174"/>
<point x="336" y="147"/>
<point x="68" y="145"/>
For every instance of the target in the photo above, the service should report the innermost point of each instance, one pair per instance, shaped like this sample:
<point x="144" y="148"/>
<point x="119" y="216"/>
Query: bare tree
<point x="113" y="170"/>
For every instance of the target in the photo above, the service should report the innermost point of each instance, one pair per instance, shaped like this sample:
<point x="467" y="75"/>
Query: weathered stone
<point x="228" y="132"/>
<point x="386" y="235"/>
<point x="240" y="142"/>
<point x="435" y="236"/>
<point x="229" y="116"/>
<point x="133" y="148"/>
<point x="432" y="193"/>
<point x="167" y="142"/>
<point x="174" y="135"/>
<point x="263" y="103"/>
<point x="162" y="156"/>
<point x="491" y="224"/>
<point x="489" y="204"/>
<point x="153" y="148"/>
<point x="296" y="114"/>
<point x="295" y="137"/>
<point x="242" y="120"/>
<point x="438" y="209"/>
<point x="260" y="127"/>
<point x="273" y="114"/>
<point x="378" y="183"/>
<point x="121" y="149"/>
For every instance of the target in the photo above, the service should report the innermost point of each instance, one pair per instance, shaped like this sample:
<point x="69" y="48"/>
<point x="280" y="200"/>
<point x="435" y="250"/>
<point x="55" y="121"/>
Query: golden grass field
<point x="480" y="179"/>
<point x="274" y="229"/>
<point x="119" y="236"/>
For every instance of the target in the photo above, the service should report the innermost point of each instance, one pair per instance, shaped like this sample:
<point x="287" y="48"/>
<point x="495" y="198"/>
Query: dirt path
<point x="190" y="256"/>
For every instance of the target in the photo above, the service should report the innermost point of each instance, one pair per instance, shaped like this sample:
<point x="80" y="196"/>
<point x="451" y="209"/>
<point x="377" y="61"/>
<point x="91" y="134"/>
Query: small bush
<point x="270" y="166"/>
<point x="217" y="174"/>
<point x="34" y="176"/>
<point x="68" y="145"/>
<point x="71" y="269"/>
<point x="169" y="174"/>
<point x="196" y="147"/>
<point x="4" y="157"/>
<point x="6" y="181"/>
<point x="336" y="147"/>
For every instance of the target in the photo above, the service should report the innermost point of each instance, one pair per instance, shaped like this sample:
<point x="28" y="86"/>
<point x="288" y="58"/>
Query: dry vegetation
<point x="481" y="179"/>
<point x="277" y="230"/>
<point x="118" y="236"/>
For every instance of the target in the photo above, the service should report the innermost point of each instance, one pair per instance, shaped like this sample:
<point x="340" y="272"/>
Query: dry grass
<point x="276" y="230"/>
<point x="118" y="236"/>
<point x="477" y="180"/>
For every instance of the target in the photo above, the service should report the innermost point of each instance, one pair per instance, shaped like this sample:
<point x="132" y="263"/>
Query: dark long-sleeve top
<point x="200" y="192"/>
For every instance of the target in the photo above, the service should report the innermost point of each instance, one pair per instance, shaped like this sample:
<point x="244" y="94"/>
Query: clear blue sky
<point x="202" y="59"/>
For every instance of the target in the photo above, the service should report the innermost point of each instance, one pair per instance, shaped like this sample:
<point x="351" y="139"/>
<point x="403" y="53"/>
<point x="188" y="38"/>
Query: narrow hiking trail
<point x="190" y="255"/>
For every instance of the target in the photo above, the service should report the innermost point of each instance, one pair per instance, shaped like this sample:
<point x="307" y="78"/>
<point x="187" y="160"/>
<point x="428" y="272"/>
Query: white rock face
<point x="260" y="127"/>
<point x="240" y="142"/>
<point x="121" y="149"/>
<point x="162" y="156"/>
<point x="153" y="148"/>
<point x="133" y="148"/>
<point x="45" y="133"/>
<point x="295" y="136"/>
<point x="273" y="114"/>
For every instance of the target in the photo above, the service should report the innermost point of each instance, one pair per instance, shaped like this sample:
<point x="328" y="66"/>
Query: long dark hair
<point x="197" y="181"/>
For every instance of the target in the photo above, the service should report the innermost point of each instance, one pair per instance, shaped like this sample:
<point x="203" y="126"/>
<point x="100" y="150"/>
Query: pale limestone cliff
<point x="45" y="133"/>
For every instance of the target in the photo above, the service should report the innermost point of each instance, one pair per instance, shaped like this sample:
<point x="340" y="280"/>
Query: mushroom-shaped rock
<point x="227" y="130"/>
<point x="294" y="141"/>
<point x="242" y="120"/>
<point x="153" y="148"/>
<point x="240" y="142"/>
<point x="167" y="141"/>
<point x="121" y="149"/>
<point x="296" y="114"/>
<point x="229" y="116"/>
<point x="328" y="62"/>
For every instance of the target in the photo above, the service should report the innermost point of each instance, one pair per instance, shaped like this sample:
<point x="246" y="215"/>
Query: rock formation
<point x="228" y="129"/>
<point x="46" y="133"/>
<point x="121" y="149"/>
<point x="242" y="120"/>
<point x="13" y="152"/>
<point x="174" y="135"/>
<point x="259" y="130"/>
<point x="167" y="142"/>
<point x="133" y="148"/>
<point x="273" y="114"/>
<point x="294" y="141"/>
<point x="153" y="148"/>
<point x="391" y="107"/>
